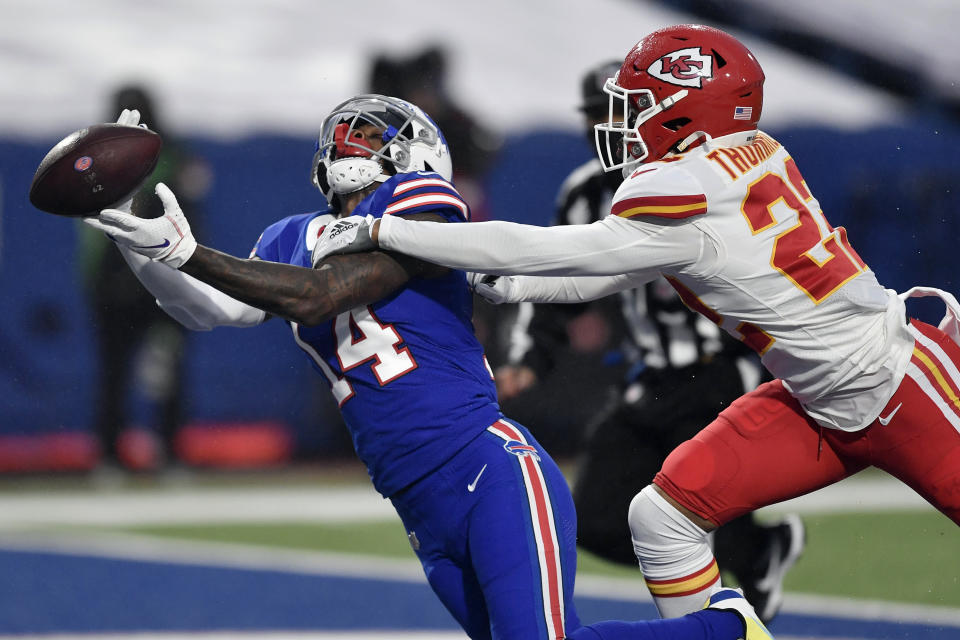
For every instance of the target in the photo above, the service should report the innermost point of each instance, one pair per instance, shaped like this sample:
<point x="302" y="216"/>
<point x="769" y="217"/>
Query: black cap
<point x="591" y="87"/>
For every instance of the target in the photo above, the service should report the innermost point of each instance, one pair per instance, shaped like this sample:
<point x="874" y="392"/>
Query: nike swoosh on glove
<point x="166" y="239"/>
<point x="493" y="289"/>
<point x="346" y="235"/>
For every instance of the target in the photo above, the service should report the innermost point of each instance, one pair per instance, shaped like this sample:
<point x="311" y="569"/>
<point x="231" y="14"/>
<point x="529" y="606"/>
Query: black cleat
<point x="785" y="543"/>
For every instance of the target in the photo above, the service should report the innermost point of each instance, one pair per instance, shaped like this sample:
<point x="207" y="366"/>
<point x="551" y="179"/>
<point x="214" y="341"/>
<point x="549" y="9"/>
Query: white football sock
<point x="674" y="553"/>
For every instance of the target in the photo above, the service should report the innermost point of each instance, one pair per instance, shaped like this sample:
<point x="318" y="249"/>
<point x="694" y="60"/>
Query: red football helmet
<point x="674" y="86"/>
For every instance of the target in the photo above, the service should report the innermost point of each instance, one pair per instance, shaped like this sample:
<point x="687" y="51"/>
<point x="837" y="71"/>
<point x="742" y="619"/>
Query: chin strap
<point x="702" y="138"/>
<point x="669" y="101"/>
<point x="695" y="139"/>
<point x="352" y="174"/>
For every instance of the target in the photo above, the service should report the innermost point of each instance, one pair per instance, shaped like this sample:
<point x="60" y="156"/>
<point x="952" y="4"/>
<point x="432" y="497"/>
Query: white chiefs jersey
<point x="752" y="251"/>
<point x="738" y="233"/>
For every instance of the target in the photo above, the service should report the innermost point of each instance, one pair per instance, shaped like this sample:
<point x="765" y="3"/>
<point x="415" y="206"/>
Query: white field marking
<point x="198" y="505"/>
<point x="873" y="610"/>
<point x="194" y="505"/>
<point x="291" y="635"/>
<point x="629" y="590"/>
<point x="258" y="635"/>
<point x="870" y="492"/>
<point x="144" y="548"/>
<point x="251" y="557"/>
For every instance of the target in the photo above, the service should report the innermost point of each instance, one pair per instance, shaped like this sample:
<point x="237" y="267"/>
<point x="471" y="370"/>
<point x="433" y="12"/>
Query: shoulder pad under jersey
<point x="421" y="192"/>
<point x="659" y="190"/>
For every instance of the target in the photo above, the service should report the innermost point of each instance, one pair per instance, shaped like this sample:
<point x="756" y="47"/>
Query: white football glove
<point x="166" y="239"/>
<point x="494" y="289"/>
<point x="346" y="235"/>
<point x="130" y="118"/>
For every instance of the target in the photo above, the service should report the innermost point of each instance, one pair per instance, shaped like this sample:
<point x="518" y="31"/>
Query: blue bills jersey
<point x="408" y="373"/>
<point x="486" y="509"/>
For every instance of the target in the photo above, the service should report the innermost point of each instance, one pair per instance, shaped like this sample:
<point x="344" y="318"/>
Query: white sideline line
<point x="194" y="505"/>
<point x="873" y="610"/>
<point x="293" y="635"/>
<point x="198" y="505"/>
<point x="857" y="493"/>
<point x="286" y="635"/>
<point x="259" y="635"/>
<point x="214" y="554"/>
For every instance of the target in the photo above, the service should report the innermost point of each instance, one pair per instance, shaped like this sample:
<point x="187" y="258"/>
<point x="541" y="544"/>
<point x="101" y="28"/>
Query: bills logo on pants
<point x="541" y="515"/>
<point x="520" y="449"/>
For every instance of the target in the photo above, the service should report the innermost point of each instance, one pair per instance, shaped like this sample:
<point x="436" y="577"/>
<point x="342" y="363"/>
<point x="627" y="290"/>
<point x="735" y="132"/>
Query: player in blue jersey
<point x="486" y="509"/>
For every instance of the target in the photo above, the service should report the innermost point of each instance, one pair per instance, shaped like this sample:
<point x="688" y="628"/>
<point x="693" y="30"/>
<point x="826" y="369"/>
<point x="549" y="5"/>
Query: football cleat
<point x="733" y="600"/>
<point x="764" y="589"/>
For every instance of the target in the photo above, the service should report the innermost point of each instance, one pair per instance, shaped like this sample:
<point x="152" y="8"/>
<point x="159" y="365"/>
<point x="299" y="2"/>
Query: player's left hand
<point x="493" y="289"/>
<point x="130" y="118"/>
<point x="166" y="239"/>
<point x="346" y="235"/>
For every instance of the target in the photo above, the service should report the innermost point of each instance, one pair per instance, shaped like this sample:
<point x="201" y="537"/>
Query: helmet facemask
<point x="345" y="162"/>
<point x="619" y="142"/>
<point x="719" y="81"/>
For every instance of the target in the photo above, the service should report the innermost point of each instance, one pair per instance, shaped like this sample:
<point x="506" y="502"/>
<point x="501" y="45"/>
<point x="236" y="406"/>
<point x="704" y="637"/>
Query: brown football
<point x="94" y="168"/>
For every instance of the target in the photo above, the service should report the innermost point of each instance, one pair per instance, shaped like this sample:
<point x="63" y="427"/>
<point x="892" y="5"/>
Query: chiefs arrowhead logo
<point x="684" y="67"/>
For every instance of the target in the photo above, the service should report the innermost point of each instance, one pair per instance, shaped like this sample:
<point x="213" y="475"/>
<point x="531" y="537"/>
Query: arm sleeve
<point x="570" y="290"/>
<point x="608" y="247"/>
<point x="194" y="304"/>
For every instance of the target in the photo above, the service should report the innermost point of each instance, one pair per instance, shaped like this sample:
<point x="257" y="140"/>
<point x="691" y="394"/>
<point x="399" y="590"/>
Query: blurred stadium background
<point x="863" y="93"/>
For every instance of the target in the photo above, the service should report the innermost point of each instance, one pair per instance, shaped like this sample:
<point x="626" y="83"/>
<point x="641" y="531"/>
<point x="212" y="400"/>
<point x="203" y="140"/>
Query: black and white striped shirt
<point x="659" y="330"/>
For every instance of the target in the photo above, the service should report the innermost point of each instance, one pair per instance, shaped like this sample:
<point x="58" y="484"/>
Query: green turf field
<point x="904" y="556"/>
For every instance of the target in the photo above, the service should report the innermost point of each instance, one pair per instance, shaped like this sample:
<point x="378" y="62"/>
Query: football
<point x="94" y="168"/>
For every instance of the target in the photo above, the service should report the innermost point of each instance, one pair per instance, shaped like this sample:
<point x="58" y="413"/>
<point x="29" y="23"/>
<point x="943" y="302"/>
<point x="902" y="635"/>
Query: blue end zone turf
<point x="58" y="593"/>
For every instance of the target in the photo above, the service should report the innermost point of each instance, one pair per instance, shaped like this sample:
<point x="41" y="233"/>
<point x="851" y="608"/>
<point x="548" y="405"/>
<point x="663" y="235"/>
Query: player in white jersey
<point x="722" y="210"/>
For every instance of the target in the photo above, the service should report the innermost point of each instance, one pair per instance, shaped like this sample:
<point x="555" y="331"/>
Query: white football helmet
<point x="344" y="161"/>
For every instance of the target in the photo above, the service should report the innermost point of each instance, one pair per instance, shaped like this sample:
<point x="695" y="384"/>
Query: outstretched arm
<point x="305" y="296"/>
<point x="194" y="304"/>
<point x="609" y="247"/>
<point x="310" y="296"/>
<point x="214" y="289"/>
<point x="544" y="289"/>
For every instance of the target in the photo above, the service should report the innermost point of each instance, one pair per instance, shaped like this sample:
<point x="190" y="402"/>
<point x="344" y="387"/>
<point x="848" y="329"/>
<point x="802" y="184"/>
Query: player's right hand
<point x="166" y="239"/>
